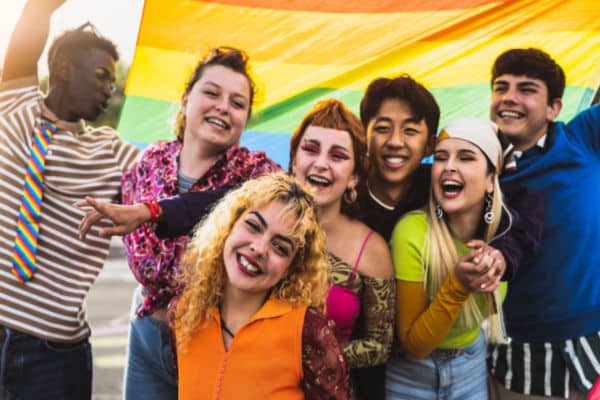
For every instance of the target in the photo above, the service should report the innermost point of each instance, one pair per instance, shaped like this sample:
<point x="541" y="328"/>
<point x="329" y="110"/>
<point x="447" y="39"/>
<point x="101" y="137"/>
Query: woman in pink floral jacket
<point x="206" y="155"/>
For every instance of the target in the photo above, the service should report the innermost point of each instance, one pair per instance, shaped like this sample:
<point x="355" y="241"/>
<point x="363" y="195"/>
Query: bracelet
<point x="154" y="210"/>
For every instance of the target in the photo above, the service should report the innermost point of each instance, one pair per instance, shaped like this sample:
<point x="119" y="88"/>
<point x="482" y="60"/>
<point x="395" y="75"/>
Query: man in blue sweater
<point x="552" y="307"/>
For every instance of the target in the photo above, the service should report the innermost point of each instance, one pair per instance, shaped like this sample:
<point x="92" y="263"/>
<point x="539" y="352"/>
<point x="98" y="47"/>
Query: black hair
<point x="420" y="100"/>
<point x="534" y="63"/>
<point x="71" y="43"/>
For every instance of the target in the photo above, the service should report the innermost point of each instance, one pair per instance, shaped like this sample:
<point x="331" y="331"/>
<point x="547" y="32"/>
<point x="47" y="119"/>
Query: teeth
<point x="247" y="265"/>
<point x="318" y="180"/>
<point x="511" y="114"/>
<point x="217" y="121"/>
<point x="451" y="186"/>
<point x="395" y="160"/>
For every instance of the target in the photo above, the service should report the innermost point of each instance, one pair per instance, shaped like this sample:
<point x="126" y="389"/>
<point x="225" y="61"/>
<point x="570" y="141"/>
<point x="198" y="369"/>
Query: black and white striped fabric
<point x="547" y="369"/>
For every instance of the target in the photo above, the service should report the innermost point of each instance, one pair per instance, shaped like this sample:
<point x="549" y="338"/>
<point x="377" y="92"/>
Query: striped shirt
<point x="547" y="369"/>
<point x="80" y="161"/>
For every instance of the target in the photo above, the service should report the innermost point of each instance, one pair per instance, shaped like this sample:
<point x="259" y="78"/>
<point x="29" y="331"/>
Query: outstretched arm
<point x="181" y="213"/>
<point x="178" y="215"/>
<point x="28" y="39"/>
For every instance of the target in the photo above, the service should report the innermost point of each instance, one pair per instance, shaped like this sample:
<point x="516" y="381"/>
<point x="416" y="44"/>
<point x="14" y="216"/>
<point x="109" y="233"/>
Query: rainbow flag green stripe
<point x="305" y="50"/>
<point x="149" y="120"/>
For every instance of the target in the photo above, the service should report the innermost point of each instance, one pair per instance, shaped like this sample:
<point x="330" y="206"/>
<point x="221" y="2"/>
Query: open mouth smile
<point x="394" y="162"/>
<point x="219" y="123"/>
<point x="317" y="180"/>
<point x="510" y="114"/>
<point x="451" y="188"/>
<point x="247" y="266"/>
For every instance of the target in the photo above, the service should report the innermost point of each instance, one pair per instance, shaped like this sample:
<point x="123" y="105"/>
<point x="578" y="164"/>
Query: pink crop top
<point x="343" y="305"/>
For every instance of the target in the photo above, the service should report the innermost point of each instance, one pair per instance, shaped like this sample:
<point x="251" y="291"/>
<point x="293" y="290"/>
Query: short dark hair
<point x="230" y="57"/>
<point x="71" y="43"/>
<point x="403" y="87"/>
<point x="534" y="63"/>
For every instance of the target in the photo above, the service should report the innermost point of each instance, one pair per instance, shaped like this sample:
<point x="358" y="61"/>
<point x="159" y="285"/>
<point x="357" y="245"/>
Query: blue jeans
<point x="462" y="377"/>
<point x="150" y="371"/>
<point x="36" y="369"/>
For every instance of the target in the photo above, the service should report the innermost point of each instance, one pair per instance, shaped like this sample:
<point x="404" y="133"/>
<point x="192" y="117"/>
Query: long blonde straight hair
<point x="441" y="257"/>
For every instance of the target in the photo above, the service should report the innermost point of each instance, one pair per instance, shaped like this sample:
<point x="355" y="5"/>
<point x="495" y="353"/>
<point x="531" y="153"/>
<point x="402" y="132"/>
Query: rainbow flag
<point x="305" y="50"/>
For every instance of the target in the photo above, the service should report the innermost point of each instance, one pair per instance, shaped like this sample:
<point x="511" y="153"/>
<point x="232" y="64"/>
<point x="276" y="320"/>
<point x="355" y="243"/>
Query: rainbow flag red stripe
<point x="28" y="224"/>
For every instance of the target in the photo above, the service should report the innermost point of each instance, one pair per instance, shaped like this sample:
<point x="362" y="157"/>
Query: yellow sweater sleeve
<point x="422" y="325"/>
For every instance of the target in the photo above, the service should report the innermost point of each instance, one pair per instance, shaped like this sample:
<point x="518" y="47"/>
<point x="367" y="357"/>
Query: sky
<point x="116" y="19"/>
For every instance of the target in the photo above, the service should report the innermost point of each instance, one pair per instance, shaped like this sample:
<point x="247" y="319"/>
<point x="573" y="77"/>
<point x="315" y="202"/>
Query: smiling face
<point x="520" y="108"/>
<point x="397" y="144"/>
<point x="87" y="84"/>
<point x="324" y="161"/>
<point x="216" y="108"/>
<point x="260" y="249"/>
<point x="460" y="177"/>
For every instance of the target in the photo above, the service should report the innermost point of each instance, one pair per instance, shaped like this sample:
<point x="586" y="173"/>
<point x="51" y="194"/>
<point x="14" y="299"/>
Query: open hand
<point x="125" y="218"/>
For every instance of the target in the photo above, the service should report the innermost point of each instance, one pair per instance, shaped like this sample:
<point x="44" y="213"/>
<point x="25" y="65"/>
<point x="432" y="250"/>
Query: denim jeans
<point x="36" y="369"/>
<point x="150" y="371"/>
<point x="462" y="377"/>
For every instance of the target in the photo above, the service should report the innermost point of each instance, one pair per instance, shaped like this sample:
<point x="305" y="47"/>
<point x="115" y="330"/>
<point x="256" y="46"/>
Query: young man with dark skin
<point x="44" y="344"/>
<point x="552" y="307"/>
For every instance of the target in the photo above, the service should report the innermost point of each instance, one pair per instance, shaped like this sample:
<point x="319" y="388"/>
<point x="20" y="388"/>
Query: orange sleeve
<point x="422" y="325"/>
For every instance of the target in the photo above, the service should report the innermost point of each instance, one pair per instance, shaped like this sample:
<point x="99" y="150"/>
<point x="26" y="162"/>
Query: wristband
<point x="154" y="210"/>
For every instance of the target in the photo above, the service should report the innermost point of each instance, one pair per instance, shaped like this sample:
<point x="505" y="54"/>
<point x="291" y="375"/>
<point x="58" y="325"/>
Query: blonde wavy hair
<point x="203" y="271"/>
<point x="441" y="257"/>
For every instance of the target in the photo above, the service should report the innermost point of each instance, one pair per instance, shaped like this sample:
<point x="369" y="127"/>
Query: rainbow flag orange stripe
<point x="305" y="50"/>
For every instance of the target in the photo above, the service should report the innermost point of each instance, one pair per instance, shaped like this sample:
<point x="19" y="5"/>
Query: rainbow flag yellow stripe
<point x="304" y="50"/>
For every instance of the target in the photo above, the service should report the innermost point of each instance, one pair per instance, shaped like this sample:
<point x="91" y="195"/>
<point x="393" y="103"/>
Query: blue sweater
<point x="556" y="295"/>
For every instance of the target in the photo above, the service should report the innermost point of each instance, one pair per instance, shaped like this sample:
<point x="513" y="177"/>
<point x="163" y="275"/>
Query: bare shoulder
<point x="376" y="260"/>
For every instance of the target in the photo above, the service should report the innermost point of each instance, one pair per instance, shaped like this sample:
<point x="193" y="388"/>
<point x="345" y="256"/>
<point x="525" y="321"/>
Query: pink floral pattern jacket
<point x="154" y="261"/>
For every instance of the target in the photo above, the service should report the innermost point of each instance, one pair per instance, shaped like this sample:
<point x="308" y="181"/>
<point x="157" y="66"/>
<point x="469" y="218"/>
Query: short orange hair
<point x="333" y="114"/>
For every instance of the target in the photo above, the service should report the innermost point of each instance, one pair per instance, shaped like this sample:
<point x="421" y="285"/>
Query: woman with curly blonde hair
<point x="256" y="278"/>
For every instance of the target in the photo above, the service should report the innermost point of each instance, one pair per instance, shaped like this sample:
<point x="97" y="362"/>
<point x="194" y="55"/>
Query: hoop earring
<point x="350" y="195"/>
<point x="439" y="213"/>
<point x="489" y="215"/>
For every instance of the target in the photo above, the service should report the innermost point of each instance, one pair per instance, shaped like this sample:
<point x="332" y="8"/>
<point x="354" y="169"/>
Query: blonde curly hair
<point x="203" y="271"/>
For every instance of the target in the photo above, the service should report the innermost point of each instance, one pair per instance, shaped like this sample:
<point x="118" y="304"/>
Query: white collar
<point x="376" y="200"/>
<point x="540" y="143"/>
